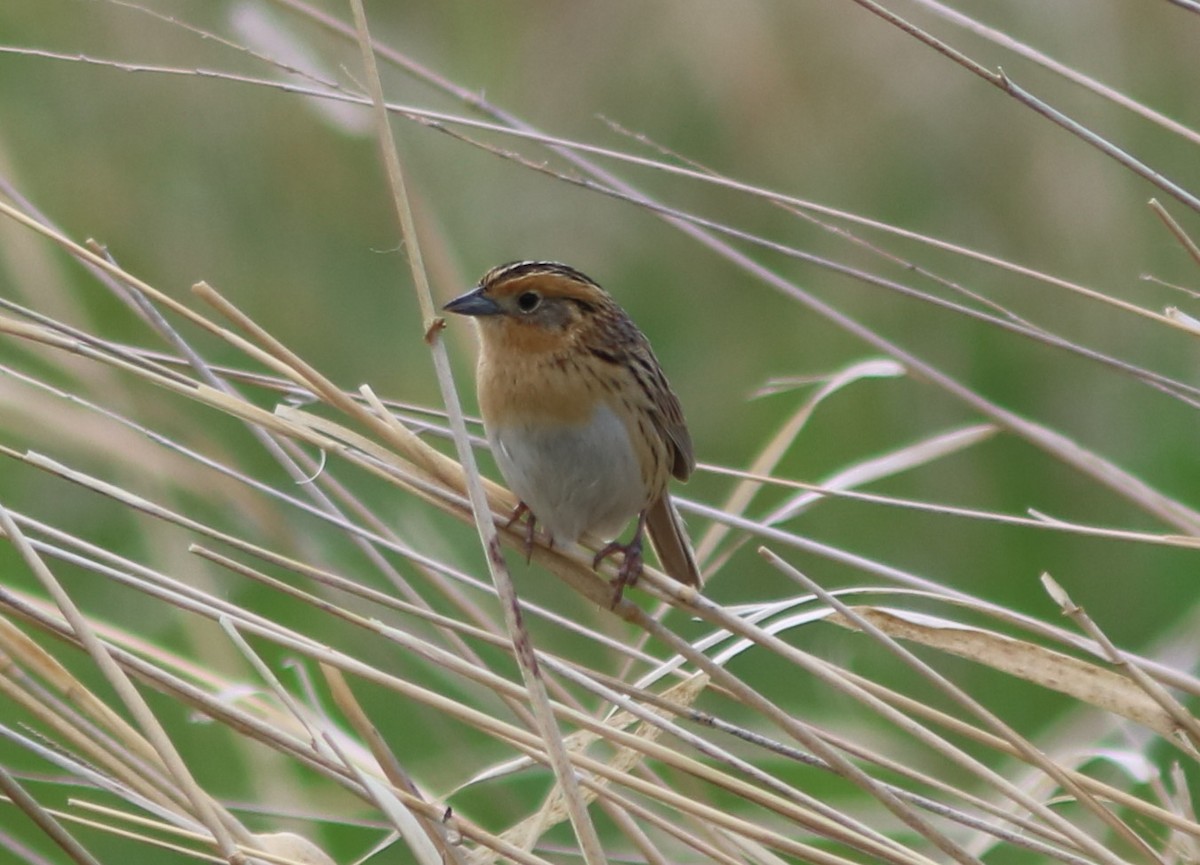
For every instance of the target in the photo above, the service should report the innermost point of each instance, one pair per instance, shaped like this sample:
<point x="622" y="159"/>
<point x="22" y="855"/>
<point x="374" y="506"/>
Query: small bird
<point x="580" y="417"/>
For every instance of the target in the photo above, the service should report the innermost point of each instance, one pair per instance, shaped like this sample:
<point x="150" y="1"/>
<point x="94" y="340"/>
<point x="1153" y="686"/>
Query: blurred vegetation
<point x="280" y="202"/>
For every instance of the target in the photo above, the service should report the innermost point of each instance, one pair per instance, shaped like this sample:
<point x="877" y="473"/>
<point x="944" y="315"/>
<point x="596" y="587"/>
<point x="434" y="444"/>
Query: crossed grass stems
<point x="637" y="738"/>
<point x="405" y="460"/>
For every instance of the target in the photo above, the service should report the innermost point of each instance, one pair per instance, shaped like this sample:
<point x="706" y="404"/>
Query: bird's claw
<point x="530" y="527"/>
<point x="631" y="565"/>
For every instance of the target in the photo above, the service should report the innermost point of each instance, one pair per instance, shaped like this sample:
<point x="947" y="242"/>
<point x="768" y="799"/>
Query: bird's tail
<point x="670" y="541"/>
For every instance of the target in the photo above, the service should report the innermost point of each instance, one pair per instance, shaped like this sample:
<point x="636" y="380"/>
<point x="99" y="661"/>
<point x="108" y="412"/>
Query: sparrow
<point x="581" y="420"/>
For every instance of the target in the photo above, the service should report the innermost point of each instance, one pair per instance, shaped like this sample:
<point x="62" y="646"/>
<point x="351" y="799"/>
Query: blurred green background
<point x="285" y="210"/>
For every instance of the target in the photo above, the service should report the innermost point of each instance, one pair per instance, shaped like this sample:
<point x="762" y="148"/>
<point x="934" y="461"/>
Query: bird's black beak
<point x="473" y="303"/>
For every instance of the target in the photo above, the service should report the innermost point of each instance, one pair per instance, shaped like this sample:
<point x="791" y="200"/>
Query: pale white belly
<point x="576" y="479"/>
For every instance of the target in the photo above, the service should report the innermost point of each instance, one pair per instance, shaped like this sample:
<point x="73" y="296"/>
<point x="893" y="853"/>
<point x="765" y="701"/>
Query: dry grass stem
<point x="243" y="613"/>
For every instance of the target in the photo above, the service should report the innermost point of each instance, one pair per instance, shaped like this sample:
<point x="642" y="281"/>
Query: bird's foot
<point x="631" y="564"/>
<point x="522" y="510"/>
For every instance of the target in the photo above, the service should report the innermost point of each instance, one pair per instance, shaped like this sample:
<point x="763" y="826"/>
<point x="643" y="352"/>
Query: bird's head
<point x="533" y="305"/>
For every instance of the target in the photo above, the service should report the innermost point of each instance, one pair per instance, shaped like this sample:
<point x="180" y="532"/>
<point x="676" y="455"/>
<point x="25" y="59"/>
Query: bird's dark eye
<point x="529" y="301"/>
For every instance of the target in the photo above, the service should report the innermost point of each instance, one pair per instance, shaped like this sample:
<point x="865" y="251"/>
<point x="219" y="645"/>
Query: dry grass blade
<point x="1026" y="748"/>
<point x="875" y="468"/>
<point x="774" y="450"/>
<point x="45" y="820"/>
<point x="445" y="851"/>
<point x="887" y="465"/>
<point x="298" y="584"/>
<point x="1183" y="723"/>
<point x="1081" y="680"/>
<point x="222" y="828"/>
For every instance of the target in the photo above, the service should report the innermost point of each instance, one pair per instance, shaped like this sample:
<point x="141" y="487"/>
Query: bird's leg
<point x="631" y="566"/>
<point x="530" y="527"/>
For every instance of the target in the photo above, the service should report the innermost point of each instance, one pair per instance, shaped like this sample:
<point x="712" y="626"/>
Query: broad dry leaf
<point x="290" y="847"/>
<point x="1082" y="680"/>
